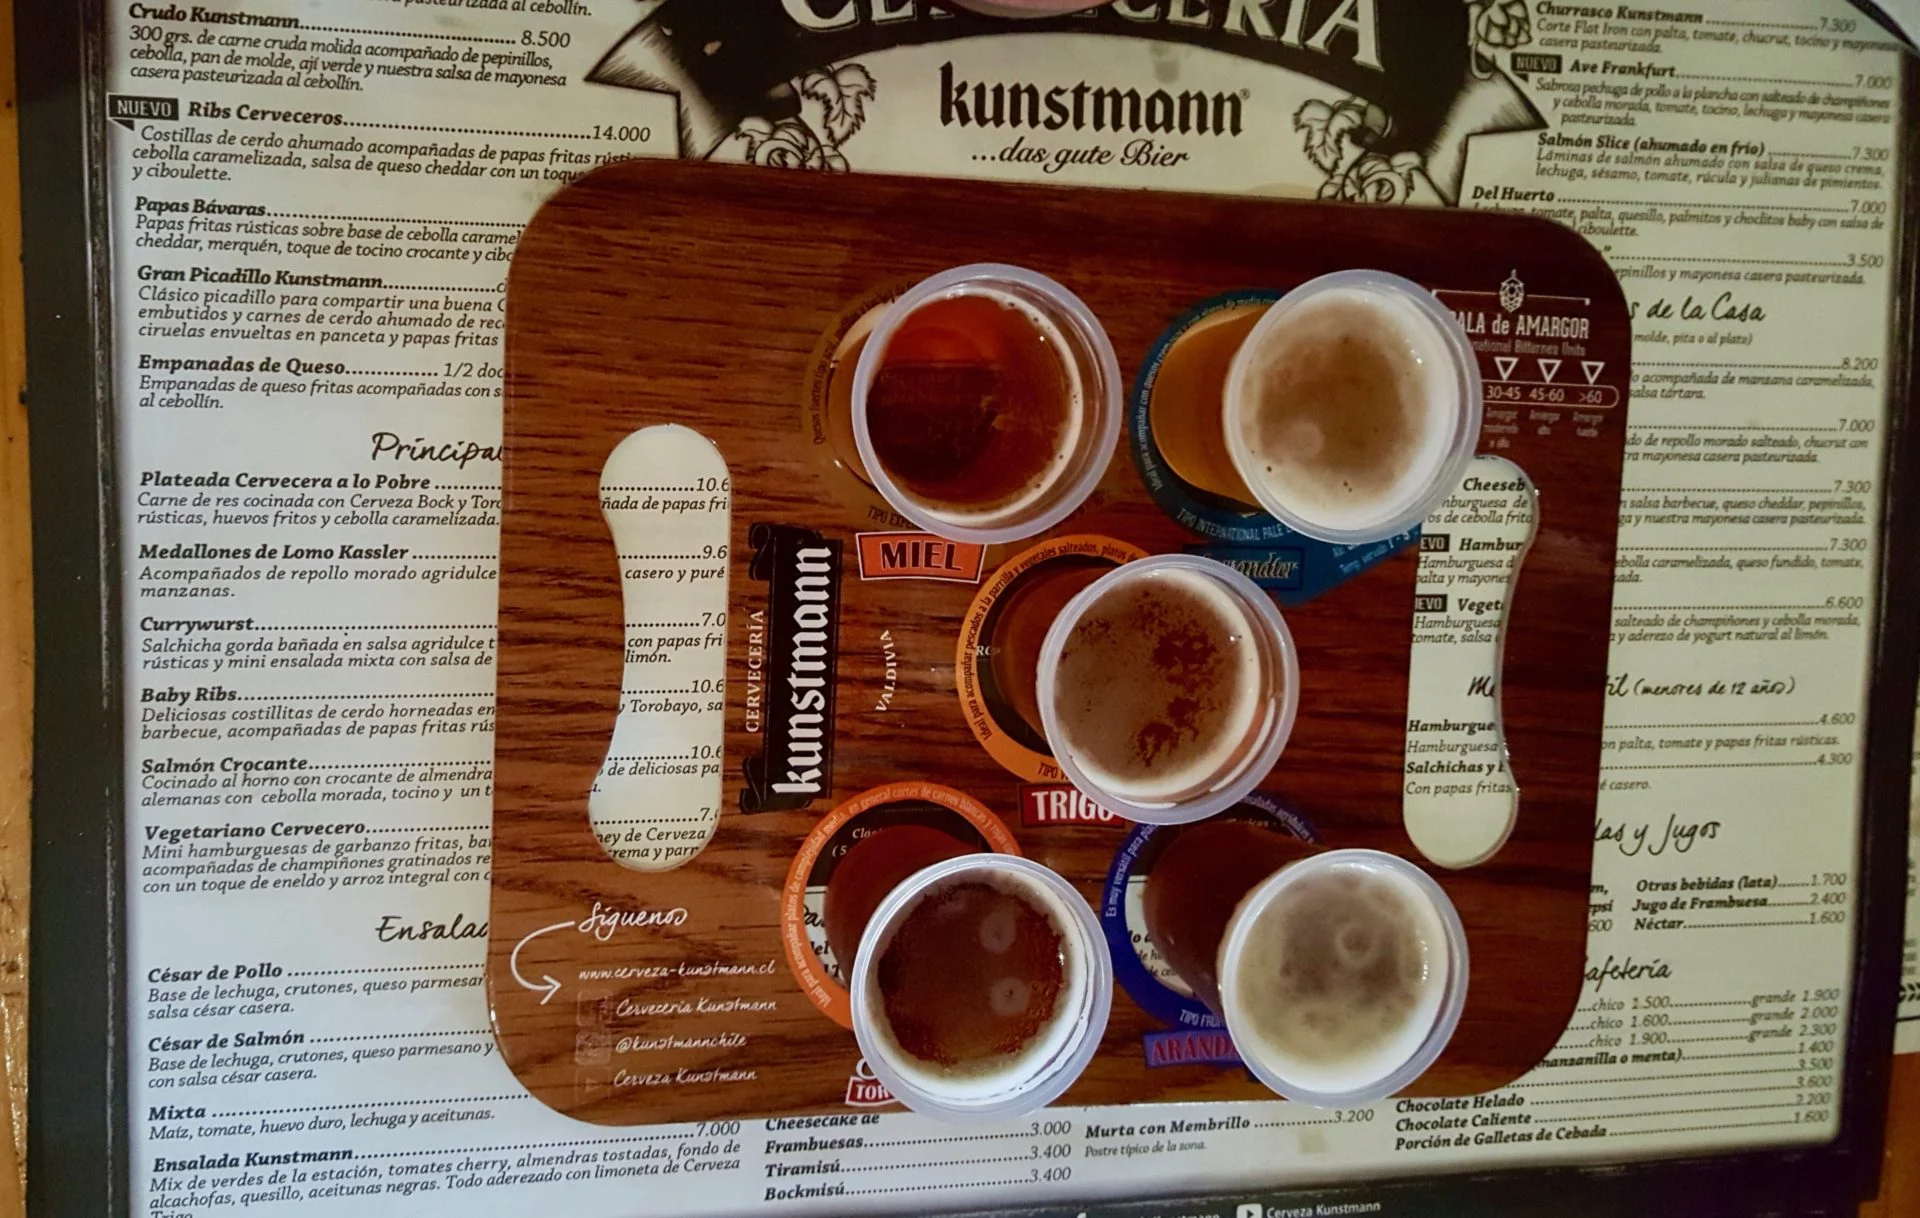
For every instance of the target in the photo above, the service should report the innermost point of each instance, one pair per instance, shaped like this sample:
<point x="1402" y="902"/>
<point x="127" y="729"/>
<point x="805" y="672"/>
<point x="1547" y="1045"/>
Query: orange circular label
<point x="802" y="901"/>
<point x="1000" y="640"/>
<point x="827" y="406"/>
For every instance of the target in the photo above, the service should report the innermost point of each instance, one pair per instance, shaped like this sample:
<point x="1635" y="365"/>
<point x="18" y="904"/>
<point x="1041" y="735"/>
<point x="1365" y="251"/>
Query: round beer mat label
<point x="1137" y="964"/>
<point x="1000" y="639"/>
<point x="803" y="899"/>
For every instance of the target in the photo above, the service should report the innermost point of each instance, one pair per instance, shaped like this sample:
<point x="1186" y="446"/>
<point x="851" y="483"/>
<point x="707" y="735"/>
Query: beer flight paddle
<point x="709" y="984"/>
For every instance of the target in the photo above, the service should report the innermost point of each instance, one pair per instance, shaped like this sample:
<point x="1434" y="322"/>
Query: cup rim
<point x="1101" y="402"/>
<point x="1279" y="726"/>
<point x="1467" y="420"/>
<point x="1092" y="998"/>
<point x="1446" y="1019"/>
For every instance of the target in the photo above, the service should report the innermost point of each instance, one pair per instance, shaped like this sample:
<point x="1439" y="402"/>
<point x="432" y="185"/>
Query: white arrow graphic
<point x="1593" y="368"/>
<point x="551" y="986"/>
<point x="1506" y="365"/>
<point x="1549" y="368"/>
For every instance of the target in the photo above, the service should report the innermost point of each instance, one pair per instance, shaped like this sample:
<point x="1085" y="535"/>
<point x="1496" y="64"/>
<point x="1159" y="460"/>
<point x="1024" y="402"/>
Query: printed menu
<point x="313" y="207"/>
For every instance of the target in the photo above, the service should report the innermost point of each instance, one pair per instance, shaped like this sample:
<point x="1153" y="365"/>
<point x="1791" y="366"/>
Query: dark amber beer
<point x="871" y="869"/>
<point x="981" y="988"/>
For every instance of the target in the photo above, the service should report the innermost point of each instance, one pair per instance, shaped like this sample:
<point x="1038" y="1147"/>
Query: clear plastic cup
<point x="1446" y="445"/>
<point x="1039" y="1073"/>
<point x="1234" y="757"/>
<point x="1087" y="361"/>
<point x="1413" y="1047"/>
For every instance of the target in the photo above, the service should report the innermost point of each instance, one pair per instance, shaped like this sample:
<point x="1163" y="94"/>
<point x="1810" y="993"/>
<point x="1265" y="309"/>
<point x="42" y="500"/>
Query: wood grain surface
<point x="16" y="648"/>
<point x="654" y="292"/>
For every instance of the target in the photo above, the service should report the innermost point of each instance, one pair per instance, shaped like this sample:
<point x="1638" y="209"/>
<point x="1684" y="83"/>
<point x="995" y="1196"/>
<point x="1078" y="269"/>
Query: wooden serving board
<point x="655" y="292"/>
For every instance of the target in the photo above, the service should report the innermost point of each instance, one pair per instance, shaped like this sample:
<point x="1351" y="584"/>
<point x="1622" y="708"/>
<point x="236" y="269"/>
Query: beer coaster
<point x="1172" y="432"/>
<point x="826" y="414"/>
<point x="803" y="899"/>
<point x="1138" y="966"/>
<point x="1000" y="639"/>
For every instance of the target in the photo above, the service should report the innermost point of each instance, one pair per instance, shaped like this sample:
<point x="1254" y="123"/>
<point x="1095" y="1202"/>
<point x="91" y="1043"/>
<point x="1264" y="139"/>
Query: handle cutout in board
<point x="667" y="499"/>
<point x="1471" y="552"/>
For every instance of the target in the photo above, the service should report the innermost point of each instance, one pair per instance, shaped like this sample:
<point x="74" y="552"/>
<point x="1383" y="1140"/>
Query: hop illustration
<point x="1331" y="126"/>
<point x="787" y="144"/>
<point x="841" y="95"/>
<point x="1377" y="179"/>
<point x="1343" y="140"/>
<point x="833" y="107"/>
<point x="1513" y="292"/>
<point x="1496" y="25"/>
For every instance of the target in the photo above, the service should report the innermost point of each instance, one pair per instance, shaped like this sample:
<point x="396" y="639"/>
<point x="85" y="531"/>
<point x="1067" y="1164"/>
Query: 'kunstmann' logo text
<point x="802" y="571"/>
<point x="1084" y="107"/>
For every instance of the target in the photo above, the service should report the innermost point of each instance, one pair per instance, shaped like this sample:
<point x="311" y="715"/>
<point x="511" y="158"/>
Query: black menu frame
<point x="77" y="1161"/>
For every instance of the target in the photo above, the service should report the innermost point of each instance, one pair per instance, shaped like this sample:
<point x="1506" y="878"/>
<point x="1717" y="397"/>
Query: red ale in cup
<point x="986" y="403"/>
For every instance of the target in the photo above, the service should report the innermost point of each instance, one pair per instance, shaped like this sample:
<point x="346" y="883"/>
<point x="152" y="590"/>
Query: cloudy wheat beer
<point x="1353" y="407"/>
<point x="1342" y="977"/>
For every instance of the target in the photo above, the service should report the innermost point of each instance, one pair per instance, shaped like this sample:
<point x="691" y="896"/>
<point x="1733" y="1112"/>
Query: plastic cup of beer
<point x="1168" y="688"/>
<point x="1353" y="407"/>
<point x="986" y="403"/>
<point x="981" y="988"/>
<point x="1196" y="882"/>
<point x="1342" y="977"/>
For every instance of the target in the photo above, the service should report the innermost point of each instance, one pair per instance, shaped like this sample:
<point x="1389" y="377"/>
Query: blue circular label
<point x="1207" y="514"/>
<point x="1293" y="567"/>
<point x="1154" y="996"/>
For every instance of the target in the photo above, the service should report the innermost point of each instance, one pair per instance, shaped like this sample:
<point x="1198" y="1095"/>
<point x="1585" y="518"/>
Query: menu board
<point x="312" y="209"/>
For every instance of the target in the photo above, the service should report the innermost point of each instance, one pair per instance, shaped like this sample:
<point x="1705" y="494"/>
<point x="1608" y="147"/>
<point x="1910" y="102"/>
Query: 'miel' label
<point x="802" y="627"/>
<point x="919" y="556"/>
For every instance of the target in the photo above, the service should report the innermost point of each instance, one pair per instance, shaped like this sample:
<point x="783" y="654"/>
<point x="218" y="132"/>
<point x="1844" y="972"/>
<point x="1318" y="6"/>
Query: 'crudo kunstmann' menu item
<point x="312" y="216"/>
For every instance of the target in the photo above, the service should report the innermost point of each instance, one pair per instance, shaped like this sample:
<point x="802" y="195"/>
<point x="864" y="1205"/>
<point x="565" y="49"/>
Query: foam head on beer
<point x="1353" y="406"/>
<point x="981" y="988"/>
<point x="971" y="979"/>
<point x="1168" y="688"/>
<point x="1341" y="976"/>
<point x="1159" y="685"/>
